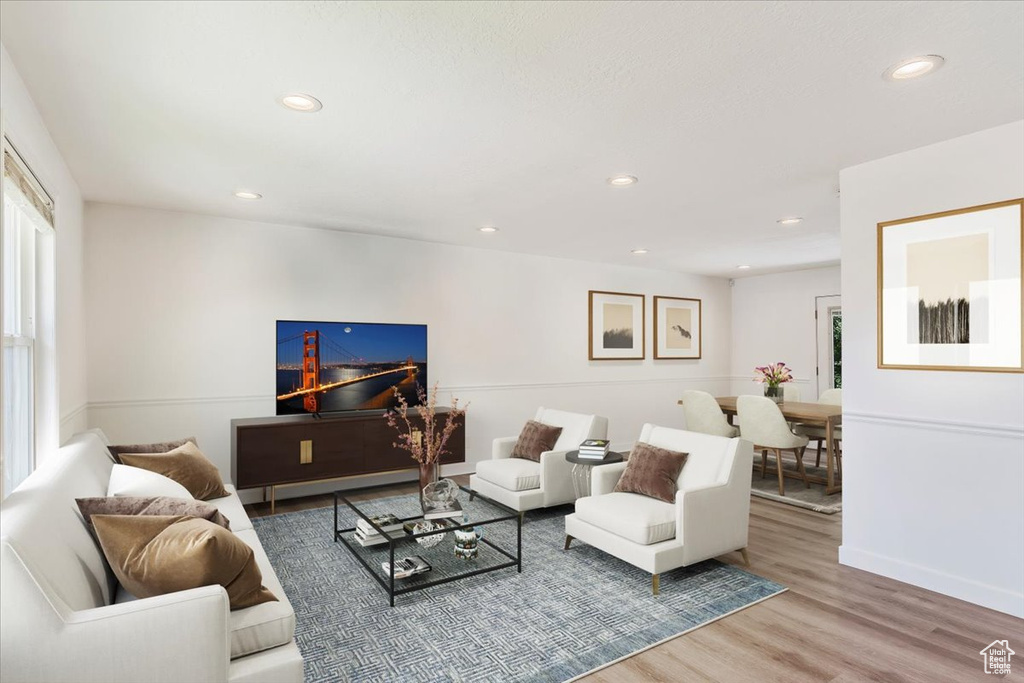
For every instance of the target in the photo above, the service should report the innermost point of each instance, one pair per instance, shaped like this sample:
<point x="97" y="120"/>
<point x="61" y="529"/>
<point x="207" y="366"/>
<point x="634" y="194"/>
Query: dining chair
<point x="704" y="415"/>
<point x="832" y="397"/>
<point x="762" y="423"/>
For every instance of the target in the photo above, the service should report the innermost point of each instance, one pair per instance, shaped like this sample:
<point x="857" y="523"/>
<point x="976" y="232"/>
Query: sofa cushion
<point x="231" y="507"/>
<point x="133" y="481"/>
<point x="512" y="474"/>
<point x="637" y="518"/>
<point x="652" y="471"/>
<point x="260" y="627"/>
<point x="159" y="554"/>
<point x="159" y="447"/>
<point x="160" y="505"/>
<point x="535" y="439"/>
<point x="186" y="465"/>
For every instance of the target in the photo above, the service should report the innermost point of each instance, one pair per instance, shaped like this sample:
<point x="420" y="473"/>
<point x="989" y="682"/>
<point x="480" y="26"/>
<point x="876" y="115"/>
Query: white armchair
<point x="709" y="517"/>
<point x="527" y="485"/>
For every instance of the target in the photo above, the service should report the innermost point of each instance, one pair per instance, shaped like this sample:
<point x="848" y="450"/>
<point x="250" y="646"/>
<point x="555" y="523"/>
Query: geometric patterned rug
<point x="797" y="494"/>
<point x="568" y="613"/>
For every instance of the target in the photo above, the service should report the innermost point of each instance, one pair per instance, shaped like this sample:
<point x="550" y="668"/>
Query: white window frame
<point x="37" y="310"/>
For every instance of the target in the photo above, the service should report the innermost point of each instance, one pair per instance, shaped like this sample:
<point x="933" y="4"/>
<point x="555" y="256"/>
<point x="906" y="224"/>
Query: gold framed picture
<point x="677" y="328"/>
<point x="616" y="326"/>
<point x="950" y="290"/>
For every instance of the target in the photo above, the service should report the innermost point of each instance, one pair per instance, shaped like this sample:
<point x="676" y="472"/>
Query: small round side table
<point x="581" y="468"/>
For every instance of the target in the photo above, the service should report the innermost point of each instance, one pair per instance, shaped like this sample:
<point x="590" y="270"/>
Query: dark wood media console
<point x="288" y="451"/>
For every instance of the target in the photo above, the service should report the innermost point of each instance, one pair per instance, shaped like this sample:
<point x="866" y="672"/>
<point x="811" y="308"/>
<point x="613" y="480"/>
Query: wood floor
<point x="834" y="624"/>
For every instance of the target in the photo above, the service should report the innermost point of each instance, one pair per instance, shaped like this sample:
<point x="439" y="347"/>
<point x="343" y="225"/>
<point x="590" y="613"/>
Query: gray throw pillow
<point x="159" y="447"/>
<point x="652" y="471"/>
<point x="535" y="438"/>
<point x="159" y="505"/>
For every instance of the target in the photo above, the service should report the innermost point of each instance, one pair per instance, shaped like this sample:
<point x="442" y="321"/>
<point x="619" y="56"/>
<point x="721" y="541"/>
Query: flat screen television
<point x="327" y="367"/>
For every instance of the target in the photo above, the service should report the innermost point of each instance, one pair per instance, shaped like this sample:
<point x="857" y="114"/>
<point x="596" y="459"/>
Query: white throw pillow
<point x="135" y="481"/>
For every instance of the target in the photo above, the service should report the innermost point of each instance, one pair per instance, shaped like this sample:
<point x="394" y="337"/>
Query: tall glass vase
<point x="428" y="475"/>
<point x="774" y="392"/>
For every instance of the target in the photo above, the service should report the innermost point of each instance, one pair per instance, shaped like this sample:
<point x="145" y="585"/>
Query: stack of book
<point x="593" y="449"/>
<point x="366" y="535"/>
<point x="407" y="567"/>
<point x="453" y="511"/>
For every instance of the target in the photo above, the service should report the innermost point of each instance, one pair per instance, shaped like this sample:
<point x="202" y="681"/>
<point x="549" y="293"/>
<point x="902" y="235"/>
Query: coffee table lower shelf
<point x="446" y="568"/>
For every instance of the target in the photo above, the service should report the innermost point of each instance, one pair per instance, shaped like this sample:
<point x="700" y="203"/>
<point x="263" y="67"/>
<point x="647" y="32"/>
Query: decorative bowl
<point x="425" y="526"/>
<point x="441" y="494"/>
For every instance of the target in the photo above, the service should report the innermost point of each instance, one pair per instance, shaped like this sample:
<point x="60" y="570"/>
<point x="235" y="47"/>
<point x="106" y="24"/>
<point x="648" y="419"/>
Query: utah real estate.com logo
<point x="997" y="657"/>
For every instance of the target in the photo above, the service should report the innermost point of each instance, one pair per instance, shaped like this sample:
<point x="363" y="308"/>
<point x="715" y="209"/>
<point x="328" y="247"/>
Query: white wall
<point x="25" y="128"/>
<point x="933" y="461"/>
<point x="183" y="308"/>
<point x="773" y="320"/>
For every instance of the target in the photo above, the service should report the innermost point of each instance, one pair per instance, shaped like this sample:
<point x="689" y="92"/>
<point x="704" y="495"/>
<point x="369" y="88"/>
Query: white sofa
<point x="709" y="517"/>
<point x="527" y="485"/>
<point x="63" y="617"/>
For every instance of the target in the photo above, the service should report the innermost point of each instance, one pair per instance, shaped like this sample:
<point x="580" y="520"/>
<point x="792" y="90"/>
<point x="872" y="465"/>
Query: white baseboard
<point x="985" y="595"/>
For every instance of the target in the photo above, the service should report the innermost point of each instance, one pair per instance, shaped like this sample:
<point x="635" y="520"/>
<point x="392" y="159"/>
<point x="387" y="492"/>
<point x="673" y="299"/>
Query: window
<point x="27" y="371"/>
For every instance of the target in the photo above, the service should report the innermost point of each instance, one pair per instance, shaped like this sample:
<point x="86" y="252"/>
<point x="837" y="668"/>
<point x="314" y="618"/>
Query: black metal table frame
<point x="389" y="586"/>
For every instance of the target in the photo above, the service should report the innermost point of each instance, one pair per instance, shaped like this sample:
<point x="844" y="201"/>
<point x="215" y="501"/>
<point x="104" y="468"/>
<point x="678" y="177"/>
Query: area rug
<point x="567" y="613"/>
<point x="797" y="494"/>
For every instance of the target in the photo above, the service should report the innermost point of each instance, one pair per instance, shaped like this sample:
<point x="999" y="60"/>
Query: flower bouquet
<point x="426" y="445"/>
<point x="771" y="376"/>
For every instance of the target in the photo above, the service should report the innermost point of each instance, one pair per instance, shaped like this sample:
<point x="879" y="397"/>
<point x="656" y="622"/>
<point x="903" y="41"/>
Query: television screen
<point x="326" y="367"/>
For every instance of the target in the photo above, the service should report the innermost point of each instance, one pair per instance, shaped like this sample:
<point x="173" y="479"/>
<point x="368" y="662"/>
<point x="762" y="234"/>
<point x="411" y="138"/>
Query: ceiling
<point x="442" y="117"/>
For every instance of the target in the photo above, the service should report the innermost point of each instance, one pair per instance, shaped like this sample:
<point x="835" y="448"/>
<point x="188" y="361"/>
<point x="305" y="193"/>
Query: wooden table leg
<point x="830" y="485"/>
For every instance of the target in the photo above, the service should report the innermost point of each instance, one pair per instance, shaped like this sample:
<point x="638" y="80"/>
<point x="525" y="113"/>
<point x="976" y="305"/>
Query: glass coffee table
<point x="502" y="527"/>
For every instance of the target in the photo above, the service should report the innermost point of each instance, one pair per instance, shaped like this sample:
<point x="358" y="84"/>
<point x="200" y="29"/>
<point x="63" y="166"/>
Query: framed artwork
<point x="950" y="290"/>
<point x="616" y="326"/>
<point x="677" y="328"/>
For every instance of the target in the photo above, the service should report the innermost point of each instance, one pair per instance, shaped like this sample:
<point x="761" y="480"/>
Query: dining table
<point x="818" y="414"/>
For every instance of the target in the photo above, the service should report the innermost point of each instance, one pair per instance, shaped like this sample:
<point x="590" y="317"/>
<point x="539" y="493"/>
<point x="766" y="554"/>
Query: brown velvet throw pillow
<point x="186" y="465"/>
<point x="535" y="438"/>
<point x="159" y="505"/>
<point x="158" y="554"/>
<point x="652" y="471"/>
<point x="160" y="447"/>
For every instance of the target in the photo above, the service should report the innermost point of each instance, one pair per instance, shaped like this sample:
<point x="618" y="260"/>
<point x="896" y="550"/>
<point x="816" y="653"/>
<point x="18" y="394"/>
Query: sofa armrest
<point x="712" y="520"/>
<point x="175" y="637"/>
<point x="603" y="478"/>
<point x="502" y="447"/>
<point x="556" y="478"/>
<point x="157" y="631"/>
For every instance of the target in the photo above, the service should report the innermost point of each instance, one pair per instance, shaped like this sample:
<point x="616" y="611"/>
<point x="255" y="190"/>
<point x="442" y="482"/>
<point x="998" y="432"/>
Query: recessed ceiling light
<point x="639" y="251"/>
<point x="487" y="228"/>
<point x="742" y="267"/>
<point x="792" y="220"/>
<point x="245" y="194"/>
<point x="622" y="180"/>
<point x="914" y="67"/>
<point x="300" y="102"/>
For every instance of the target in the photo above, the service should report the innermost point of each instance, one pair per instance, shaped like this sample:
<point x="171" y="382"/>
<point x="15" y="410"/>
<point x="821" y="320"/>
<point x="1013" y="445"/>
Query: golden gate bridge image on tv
<point x="320" y="352"/>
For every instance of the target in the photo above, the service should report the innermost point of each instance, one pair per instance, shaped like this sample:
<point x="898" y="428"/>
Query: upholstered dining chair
<point x="832" y="397"/>
<point x="762" y="423"/>
<point x="704" y="415"/>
